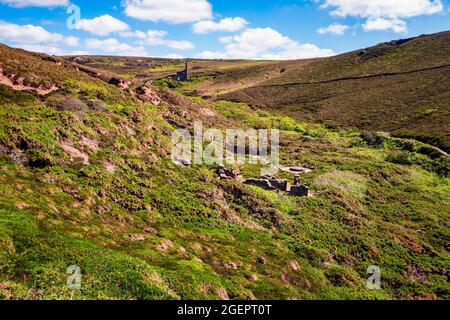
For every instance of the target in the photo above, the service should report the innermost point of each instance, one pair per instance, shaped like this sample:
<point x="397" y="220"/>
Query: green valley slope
<point x="86" y="179"/>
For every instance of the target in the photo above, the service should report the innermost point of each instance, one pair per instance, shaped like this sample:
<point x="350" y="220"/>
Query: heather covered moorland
<point x="87" y="178"/>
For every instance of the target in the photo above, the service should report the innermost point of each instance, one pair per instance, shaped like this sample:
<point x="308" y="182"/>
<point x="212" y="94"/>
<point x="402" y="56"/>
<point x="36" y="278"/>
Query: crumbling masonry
<point x="298" y="189"/>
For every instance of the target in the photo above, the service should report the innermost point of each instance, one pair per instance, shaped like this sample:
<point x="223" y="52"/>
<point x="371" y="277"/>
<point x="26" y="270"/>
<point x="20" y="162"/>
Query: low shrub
<point x="65" y="103"/>
<point x="373" y="139"/>
<point x="401" y="157"/>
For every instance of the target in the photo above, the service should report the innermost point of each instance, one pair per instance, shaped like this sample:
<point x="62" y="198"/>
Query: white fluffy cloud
<point x="35" y="3"/>
<point x="381" y="24"/>
<point x="227" y="39"/>
<point x="102" y="25"/>
<point x="227" y="24"/>
<point x="383" y="14"/>
<point x="173" y="56"/>
<point x="158" y="38"/>
<point x="113" y="46"/>
<point x="30" y="34"/>
<point x="35" y="38"/>
<point x="265" y="43"/>
<point x="383" y="8"/>
<point x="335" y="28"/>
<point x="133" y="34"/>
<point x="171" y="11"/>
<point x="79" y="53"/>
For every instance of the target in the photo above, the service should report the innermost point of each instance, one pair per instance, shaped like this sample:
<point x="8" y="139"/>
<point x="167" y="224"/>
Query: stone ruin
<point x="229" y="174"/>
<point x="298" y="189"/>
<point x="269" y="183"/>
<point x="183" y="76"/>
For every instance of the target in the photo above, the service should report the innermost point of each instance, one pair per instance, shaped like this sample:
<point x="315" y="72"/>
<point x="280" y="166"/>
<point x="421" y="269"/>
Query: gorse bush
<point x="401" y="157"/>
<point x="442" y="166"/>
<point x="373" y="139"/>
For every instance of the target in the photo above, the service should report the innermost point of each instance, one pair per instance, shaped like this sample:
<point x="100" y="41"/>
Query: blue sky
<point x="254" y="29"/>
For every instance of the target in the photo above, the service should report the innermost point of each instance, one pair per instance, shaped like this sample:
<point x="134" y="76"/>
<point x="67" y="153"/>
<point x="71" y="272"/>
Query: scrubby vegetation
<point x="95" y="187"/>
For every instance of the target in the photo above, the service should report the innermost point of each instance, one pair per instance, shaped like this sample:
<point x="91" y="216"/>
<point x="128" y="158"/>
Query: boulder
<point x="148" y="95"/>
<point x="118" y="83"/>
<point x="229" y="174"/>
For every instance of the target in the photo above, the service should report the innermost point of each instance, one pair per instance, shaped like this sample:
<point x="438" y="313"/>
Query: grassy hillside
<point x="144" y="69"/>
<point x="86" y="179"/>
<point x="401" y="87"/>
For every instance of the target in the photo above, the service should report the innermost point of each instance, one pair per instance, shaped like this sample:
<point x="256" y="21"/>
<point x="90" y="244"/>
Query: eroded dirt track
<point x="19" y="86"/>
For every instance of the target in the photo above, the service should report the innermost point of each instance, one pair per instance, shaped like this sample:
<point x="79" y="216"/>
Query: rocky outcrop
<point x="119" y="83"/>
<point x="148" y="95"/>
<point x="74" y="153"/>
<point x="176" y="123"/>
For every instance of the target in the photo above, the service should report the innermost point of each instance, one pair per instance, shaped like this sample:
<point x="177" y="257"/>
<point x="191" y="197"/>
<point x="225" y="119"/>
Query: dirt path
<point x="20" y="87"/>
